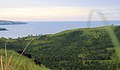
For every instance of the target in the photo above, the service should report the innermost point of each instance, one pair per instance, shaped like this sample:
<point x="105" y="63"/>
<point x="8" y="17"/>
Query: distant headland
<point x="3" y="29"/>
<point x="5" y="22"/>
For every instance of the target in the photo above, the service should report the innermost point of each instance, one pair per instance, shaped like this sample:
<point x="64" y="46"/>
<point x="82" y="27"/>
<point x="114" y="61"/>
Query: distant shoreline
<point x="3" y="29"/>
<point x="4" y="22"/>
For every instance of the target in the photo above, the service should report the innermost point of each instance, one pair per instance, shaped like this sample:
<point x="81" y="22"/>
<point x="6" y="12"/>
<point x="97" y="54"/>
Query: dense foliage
<point x="78" y="49"/>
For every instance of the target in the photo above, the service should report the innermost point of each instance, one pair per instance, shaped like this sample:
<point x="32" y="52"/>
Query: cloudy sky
<point x="57" y="10"/>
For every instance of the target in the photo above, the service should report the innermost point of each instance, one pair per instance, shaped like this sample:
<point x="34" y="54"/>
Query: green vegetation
<point x="9" y="59"/>
<point x="77" y="49"/>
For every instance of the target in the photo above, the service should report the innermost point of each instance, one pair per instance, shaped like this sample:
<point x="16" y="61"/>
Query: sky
<point x="57" y="10"/>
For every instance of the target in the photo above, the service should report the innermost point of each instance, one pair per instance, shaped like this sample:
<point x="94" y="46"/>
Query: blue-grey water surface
<point x="36" y="28"/>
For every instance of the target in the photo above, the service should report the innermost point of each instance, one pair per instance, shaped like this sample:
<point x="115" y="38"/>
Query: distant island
<point x="3" y="29"/>
<point x="4" y="22"/>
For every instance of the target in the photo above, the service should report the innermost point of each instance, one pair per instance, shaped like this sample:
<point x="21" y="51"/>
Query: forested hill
<point x="77" y="49"/>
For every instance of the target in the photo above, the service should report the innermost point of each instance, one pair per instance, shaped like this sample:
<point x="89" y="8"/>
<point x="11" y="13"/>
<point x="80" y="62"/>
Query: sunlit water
<point x="37" y="28"/>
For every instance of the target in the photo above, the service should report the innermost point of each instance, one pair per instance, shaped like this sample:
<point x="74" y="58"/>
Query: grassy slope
<point x="26" y="64"/>
<point x="69" y="47"/>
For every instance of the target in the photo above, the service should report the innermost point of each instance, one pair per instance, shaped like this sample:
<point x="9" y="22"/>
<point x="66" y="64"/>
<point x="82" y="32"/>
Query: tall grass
<point x="1" y="62"/>
<point x="110" y="31"/>
<point x="14" y="61"/>
<point x="16" y="66"/>
<point x="7" y="64"/>
<point x="23" y="51"/>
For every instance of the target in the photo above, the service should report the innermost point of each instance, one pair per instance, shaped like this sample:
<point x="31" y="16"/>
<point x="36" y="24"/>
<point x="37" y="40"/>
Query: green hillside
<point x="8" y="62"/>
<point x="77" y="49"/>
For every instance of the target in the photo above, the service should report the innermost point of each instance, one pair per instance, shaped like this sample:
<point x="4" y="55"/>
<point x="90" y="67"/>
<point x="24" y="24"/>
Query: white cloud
<point x="44" y="13"/>
<point x="55" y="13"/>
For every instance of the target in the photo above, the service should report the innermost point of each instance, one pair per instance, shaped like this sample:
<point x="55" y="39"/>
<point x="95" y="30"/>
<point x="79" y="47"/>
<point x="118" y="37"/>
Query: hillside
<point x="77" y="49"/>
<point x="8" y="63"/>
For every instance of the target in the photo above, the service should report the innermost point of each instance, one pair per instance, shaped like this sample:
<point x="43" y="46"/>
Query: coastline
<point x="3" y="29"/>
<point x="3" y="22"/>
